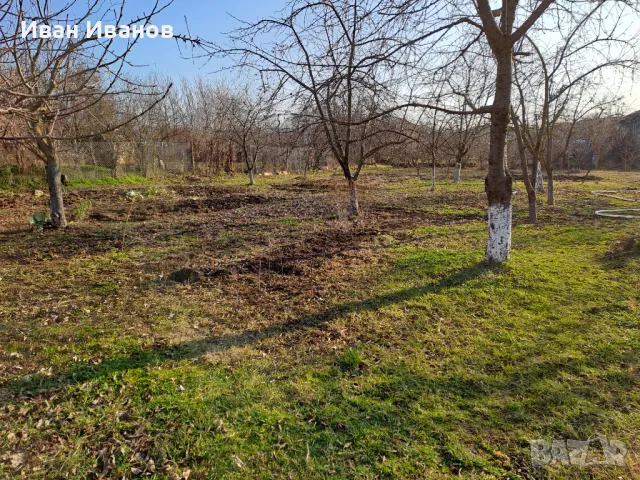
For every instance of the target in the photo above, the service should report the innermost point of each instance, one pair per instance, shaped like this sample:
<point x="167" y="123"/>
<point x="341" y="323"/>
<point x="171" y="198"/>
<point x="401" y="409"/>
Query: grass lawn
<point x="312" y="347"/>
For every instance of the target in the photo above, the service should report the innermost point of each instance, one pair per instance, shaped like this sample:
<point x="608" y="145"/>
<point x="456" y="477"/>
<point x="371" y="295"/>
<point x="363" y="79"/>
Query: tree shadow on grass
<point x="508" y="408"/>
<point x="85" y="372"/>
<point x="532" y="396"/>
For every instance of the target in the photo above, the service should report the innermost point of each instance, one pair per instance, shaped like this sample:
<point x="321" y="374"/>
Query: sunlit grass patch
<point x="385" y="349"/>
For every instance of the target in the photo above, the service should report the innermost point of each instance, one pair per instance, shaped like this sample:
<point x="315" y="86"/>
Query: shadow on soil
<point x="193" y="349"/>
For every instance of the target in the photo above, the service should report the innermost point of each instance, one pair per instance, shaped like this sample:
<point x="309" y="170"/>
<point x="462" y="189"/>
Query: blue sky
<point x="208" y="19"/>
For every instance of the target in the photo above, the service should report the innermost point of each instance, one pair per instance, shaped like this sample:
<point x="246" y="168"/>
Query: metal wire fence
<point x="99" y="159"/>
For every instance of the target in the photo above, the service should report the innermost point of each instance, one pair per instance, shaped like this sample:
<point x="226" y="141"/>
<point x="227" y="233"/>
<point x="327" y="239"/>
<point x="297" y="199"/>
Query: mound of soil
<point x="185" y="275"/>
<point x="224" y="202"/>
<point x="306" y="187"/>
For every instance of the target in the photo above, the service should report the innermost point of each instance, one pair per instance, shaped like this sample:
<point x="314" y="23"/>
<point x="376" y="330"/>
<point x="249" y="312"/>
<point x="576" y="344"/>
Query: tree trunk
<point x="192" y="158"/>
<point x="456" y="173"/>
<point x="539" y="179"/>
<point x="551" y="199"/>
<point x="230" y="167"/>
<point x="498" y="183"/>
<point x="533" y="211"/>
<point x="531" y="192"/>
<point x="48" y="150"/>
<point x="56" y="203"/>
<point x="251" y="176"/>
<point x="354" y="208"/>
<point x="433" y="176"/>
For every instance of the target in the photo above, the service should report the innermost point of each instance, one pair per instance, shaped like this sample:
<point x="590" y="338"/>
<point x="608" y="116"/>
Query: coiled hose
<point x="619" y="212"/>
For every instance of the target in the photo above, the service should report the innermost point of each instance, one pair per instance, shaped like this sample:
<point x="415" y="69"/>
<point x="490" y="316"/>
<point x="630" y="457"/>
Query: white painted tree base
<point x="499" y="244"/>
<point x="456" y="173"/>
<point x="539" y="179"/>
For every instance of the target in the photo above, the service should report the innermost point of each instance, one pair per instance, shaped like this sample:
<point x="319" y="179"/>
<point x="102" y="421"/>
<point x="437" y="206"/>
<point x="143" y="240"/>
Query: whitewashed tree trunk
<point x="539" y="179"/>
<point x="353" y="200"/>
<point x="433" y="177"/>
<point x="456" y="173"/>
<point x="499" y="244"/>
<point x="498" y="183"/>
<point x="251" y="181"/>
<point x="551" y="198"/>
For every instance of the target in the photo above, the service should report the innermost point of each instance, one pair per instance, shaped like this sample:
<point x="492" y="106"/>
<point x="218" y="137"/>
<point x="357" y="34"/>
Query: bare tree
<point x="629" y="155"/>
<point x="502" y="36"/>
<point x="433" y="140"/>
<point x="504" y="39"/>
<point x="333" y="59"/>
<point x="522" y="139"/>
<point x="471" y="81"/>
<point x="359" y="60"/>
<point x="312" y="139"/>
<point x="49" y="79"/>
<point x="566" y="77"/>
<point x="204" y="125"/>
<point x="247" y="119"/>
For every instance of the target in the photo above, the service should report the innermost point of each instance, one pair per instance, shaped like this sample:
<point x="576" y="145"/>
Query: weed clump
<point x="350" y="360"/>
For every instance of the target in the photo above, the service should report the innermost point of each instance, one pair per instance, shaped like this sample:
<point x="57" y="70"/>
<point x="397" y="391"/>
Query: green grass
<point x="108" y="180"/>
<point x="413" y="360"/>
<point x="12" y="179"/>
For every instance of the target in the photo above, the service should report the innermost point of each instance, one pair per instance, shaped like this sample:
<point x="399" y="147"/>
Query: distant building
<point x="632" y="124"/>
